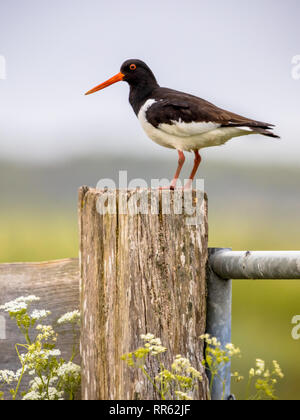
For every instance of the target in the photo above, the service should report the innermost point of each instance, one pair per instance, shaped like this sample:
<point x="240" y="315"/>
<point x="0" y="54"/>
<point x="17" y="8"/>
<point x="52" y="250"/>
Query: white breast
<point x="155" y="134"/>
<point x="187" y="136"/>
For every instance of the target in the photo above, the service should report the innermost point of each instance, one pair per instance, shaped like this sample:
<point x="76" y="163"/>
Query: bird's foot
<point x="170" y="188"/>
<point x="187" y="187"/>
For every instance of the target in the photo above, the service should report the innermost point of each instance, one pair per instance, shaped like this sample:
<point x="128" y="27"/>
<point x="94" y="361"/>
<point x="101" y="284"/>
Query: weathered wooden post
<point x="142" y="259"/>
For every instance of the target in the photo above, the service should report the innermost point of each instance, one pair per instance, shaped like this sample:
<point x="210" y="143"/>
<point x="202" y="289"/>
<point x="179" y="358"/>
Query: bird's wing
<point x="186" y="115"/>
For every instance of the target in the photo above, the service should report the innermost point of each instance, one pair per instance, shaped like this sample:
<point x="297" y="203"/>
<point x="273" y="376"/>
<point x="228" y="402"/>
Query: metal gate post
<point x="219" y="303"/>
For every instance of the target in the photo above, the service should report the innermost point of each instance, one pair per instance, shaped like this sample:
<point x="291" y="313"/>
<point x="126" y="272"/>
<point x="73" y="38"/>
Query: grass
<point x="262" y="310"/>
<point x="37" y="235"/>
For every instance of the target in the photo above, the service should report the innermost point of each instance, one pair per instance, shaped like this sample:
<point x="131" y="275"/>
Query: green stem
<point x="211" y="382"/>
<point x="152" y="382"/>
<point x="248" y="388"/>
<point x="22" y="373"/>
<point x="28" y="341"/>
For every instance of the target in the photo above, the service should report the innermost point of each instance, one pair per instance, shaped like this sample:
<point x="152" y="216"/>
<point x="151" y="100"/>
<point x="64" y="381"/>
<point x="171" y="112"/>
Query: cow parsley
<point x="181" y="379"/>
<point x="53" y="378"/>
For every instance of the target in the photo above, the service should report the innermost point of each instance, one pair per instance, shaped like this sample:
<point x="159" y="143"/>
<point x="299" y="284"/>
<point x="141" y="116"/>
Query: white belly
<point x="188" y="136"/>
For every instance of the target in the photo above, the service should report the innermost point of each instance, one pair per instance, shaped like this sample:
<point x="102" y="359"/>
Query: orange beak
<point x="117" y="78"/>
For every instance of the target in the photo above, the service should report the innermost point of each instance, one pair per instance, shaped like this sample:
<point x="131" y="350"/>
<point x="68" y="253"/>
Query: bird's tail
<point x="265" y="132"/>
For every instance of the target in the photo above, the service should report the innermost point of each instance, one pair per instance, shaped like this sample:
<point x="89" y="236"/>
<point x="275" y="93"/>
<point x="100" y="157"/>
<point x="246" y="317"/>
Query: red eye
<point x="132" y="66"/>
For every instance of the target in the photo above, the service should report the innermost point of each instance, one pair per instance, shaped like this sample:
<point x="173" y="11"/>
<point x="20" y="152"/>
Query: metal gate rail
<point x="225" y="265"/>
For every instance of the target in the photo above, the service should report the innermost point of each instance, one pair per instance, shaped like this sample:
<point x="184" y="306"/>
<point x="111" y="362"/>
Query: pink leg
<point x="181" y="161"/>
<point x="197" y="162"/>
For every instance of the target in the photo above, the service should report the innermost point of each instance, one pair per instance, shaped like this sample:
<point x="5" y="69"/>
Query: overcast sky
<point x="235" y="53"/>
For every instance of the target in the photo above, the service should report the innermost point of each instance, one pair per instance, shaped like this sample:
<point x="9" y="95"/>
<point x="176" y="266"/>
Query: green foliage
<point x="175" y="383"/>
<point x="51" y="377"/>
<point x="181" y="380"/>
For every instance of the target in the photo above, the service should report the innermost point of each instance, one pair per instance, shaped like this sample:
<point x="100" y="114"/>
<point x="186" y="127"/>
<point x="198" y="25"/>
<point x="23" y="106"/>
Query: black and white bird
<point x="178" y="120"/>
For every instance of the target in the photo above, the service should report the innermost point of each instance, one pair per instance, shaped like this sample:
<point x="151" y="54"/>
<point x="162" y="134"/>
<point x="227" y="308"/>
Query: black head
<point x="136" y="73"/>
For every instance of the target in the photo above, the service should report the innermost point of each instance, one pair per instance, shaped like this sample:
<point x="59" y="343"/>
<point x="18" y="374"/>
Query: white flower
<point x="69" y="369"/>
<point x="28" y="299"/>
<point x="52" y="394"/>
<point x="18" y="373"/>
<point x="277" y="370"/>
<point x="147" y="337"/>
<point x="30" y="359"/>
<point x="33" y="395"/>
<point x="47" y="332"/>
<point x="52" y="353"/>
<point x="204" y="336"/>
<point x="183" y="395"/>
<point x="19" y="304"/>
<point x="180" y="363"/>
<point x="14" y="307"/>
<point x="260" y="366"/>
<point x="215" y="342"/>
<point x="38" y="383"/>
<point x="72" y="317"/>
<point x="232" y="350"/>
<point x="7" y="376"/>
<point x="39" y="314"/>
<point x="183" y="365"/>
<point x="153" y="344"/>
<point x="155" y="341"/>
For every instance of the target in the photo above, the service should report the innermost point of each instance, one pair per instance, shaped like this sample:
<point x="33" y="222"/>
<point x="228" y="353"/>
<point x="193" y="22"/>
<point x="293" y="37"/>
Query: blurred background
<point x="54" y="139"/>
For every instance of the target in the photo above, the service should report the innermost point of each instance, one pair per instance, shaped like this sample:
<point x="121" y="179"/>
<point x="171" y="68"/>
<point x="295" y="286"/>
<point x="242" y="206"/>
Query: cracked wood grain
<point x="140" y="273"/>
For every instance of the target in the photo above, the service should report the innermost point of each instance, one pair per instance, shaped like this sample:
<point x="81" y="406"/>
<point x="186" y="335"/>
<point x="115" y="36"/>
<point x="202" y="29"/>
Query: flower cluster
<point x="232" y="350"/>
<point x="182" y="395"/>
<point x="183" y="365"/>
<point x="37" y="315"/>
<point x="46" y="333"/>
<point x="70" y="318"/>
<point x="153" y="344"/>
<point x="38" y="391"/>
<point x="179" y="382"/>
<point x="7" y="376"/>
<point x="18" y="305"/>
<point x="53" y="378"/>
<point x="265" y="380"/>
<point x="217" y="358"/>
<point x="67" y="370"/>
<point x="277" y="370"/>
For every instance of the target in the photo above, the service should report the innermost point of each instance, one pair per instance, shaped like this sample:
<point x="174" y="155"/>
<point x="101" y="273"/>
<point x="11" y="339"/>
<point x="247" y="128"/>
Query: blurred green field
<point x="29" y="236"/>
<point x="262" y="310"/>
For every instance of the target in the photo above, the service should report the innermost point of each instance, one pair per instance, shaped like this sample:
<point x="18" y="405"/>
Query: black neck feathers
<point x="140" y="92"/>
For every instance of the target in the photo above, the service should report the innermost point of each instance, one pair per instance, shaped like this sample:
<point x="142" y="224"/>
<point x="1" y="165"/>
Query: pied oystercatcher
<point x="178" y="120"/>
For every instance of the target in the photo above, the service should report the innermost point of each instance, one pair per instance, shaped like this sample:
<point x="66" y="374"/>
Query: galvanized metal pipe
<point x="218" y="324"/>
<point x="225" y="264"/>
<point x="256" y="264"/>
